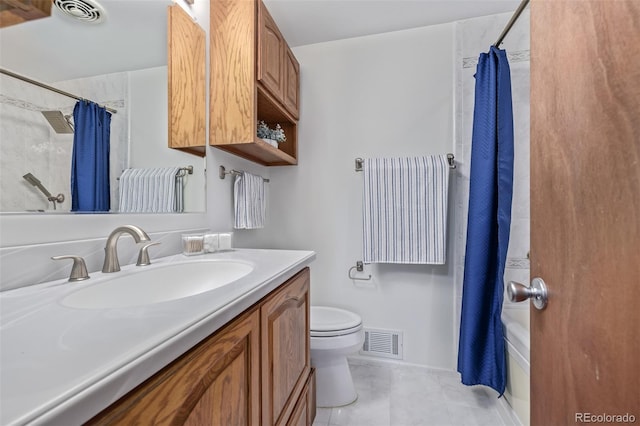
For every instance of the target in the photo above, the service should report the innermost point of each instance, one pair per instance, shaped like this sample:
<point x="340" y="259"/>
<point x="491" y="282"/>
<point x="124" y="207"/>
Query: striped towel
<point x="151" y="190"/>
<point x="405" y="210"/>
<point x="249" y="201"/>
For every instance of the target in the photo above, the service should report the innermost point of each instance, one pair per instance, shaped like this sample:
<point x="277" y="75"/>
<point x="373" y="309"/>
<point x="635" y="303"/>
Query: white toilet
<point x="335" y="333"/>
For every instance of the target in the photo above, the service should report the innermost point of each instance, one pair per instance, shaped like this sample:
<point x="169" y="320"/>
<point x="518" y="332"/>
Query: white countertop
<point x="62" y="365"/>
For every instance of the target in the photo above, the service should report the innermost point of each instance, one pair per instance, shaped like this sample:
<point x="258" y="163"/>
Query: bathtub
<point x="515" y="318"/>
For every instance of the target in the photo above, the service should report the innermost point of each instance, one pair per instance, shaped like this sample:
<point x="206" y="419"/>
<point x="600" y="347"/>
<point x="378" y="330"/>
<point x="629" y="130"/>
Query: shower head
<point x="58" y="121"/>
<point x="36" y="182"/>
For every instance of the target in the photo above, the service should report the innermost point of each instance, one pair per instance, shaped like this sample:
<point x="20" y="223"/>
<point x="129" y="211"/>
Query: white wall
<point x="381" y="95"/>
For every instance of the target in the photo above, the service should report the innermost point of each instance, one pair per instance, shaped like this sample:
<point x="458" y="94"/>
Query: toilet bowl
<point x="335" y="333"/>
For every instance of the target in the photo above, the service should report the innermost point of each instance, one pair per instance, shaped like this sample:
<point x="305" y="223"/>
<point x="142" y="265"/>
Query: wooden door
<point x="286" y="361"/>
<point x="585" y="210"/>
<point x="270" y="53"/>
<point x="291" y="92"/>
<point x="216" y="383"/>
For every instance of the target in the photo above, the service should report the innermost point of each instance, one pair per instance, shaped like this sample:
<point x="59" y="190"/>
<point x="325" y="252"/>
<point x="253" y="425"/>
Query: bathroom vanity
<point x="237" y="354"/>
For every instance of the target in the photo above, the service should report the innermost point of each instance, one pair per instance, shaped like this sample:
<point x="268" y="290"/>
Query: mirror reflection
<point x="120" y="64"/>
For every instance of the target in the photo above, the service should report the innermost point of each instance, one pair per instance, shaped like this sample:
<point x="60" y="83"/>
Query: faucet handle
<point x="79" y="268"/>
<point x="143" y="256"/>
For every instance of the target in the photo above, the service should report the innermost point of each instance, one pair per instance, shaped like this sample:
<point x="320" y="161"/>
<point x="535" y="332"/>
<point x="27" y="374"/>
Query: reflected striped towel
<point x="149" y="190"/>
<point x="405" y="210"/>
<point x="249" y="201"/>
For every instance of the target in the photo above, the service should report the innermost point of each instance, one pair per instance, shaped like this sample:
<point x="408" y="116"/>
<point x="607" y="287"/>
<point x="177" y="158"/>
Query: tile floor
<point x="398" y="395"/>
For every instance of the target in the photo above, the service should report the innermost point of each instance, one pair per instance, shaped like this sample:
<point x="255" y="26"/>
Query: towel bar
<point x="183" y="171"/>
<point x="223" y="173"/>
<point x="450" y="160"/>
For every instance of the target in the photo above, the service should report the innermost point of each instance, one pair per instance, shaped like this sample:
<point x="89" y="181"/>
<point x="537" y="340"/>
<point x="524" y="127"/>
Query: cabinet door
<point x="291" y="83"/>
<point x="270" y="53"/>
<point x="285" y="349"/>
<point x="216" y="383"/>
<point x="186" y="67"/>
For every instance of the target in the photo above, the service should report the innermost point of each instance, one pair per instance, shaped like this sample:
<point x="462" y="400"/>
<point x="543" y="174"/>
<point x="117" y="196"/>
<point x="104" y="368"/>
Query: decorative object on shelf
<point x="272" y="136"/>
<point x="278" y="134"/>
<point x="264" y="132"/>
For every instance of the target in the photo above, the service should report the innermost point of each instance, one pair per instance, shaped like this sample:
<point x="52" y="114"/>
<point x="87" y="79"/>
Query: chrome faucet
<point x="111" y="263"/>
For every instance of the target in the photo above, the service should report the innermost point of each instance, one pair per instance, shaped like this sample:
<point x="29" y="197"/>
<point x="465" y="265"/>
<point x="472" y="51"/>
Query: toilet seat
<point x="329" y="322"/>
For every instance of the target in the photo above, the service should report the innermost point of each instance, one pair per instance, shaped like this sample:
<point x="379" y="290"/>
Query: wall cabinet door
<point x="271" y="47"/>
<point x="291" y="83"/>
<point x="286" y="362"/>
<point x="216" y="383"/>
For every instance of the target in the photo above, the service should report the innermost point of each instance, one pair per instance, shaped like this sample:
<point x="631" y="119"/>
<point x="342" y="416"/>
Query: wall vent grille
<point x="382" y="343"/>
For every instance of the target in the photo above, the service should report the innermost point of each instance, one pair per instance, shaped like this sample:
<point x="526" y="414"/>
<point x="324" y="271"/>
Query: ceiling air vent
<point x="82" y="10"/>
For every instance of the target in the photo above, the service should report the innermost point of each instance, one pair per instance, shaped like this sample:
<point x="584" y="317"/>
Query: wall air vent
<point x="382" y="343"/>
<point x="83" y="10"/>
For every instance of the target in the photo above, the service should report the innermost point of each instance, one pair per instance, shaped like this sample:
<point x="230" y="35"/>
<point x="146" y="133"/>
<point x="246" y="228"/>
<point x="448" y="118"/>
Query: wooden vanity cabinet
<point x="286" y="362"/>
<point x="215" y="383"/>
<point x="254" y="371"/>
<point x="254" y="77"/>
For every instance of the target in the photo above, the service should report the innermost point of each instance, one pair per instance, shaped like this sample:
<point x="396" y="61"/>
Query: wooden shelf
<point x="260" y="152"/>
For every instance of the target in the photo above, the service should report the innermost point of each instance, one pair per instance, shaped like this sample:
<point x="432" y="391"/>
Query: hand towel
<point x="249" y="201"/>
<point x="150" y="190"/>
<point x="405" y="210"/>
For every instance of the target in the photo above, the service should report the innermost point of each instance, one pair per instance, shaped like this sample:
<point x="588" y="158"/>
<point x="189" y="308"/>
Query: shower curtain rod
<point x="44" y="86"/>
<point x="512" y="21"/>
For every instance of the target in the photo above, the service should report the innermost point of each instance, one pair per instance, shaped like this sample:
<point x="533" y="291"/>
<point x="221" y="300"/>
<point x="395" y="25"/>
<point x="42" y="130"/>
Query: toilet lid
<point x="325" y="320"/>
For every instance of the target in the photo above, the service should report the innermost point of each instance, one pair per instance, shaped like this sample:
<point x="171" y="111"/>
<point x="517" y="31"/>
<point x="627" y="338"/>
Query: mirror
<point x="120" y="63"/>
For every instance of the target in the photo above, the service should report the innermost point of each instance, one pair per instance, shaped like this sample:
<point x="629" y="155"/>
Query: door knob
<point x="538" y="292"/>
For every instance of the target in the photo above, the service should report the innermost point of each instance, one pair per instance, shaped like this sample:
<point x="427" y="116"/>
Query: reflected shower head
<point x="58" y="121"/>
<point x="36" y="182"/>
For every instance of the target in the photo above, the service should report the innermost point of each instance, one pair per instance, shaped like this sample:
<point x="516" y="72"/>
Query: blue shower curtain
<point x="481" y="355"/>
<point x="90" y="190"/>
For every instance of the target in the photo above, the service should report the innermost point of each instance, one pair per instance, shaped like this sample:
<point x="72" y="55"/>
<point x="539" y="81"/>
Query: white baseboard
<point x="508" y="416"/>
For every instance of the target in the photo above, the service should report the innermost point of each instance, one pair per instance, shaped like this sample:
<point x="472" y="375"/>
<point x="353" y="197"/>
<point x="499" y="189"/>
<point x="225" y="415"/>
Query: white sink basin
<point x="157" y="283"/>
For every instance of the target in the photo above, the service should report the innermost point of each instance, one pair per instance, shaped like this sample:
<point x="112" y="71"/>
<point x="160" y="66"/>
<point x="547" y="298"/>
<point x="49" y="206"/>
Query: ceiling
<point x="315" y="21"/>
<point x="134" y="33"/>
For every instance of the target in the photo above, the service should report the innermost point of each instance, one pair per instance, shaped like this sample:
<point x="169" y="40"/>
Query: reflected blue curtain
<point x="481" y="353"/>
<point x="90" y="190"/>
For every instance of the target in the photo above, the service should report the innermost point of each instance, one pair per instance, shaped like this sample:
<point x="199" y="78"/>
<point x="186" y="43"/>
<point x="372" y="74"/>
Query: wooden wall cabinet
<point x="270" y="52"/>
<point x="186" y="70"/>
<point x="253" y="76"/>
<point x="256" y="370"/>
<point x="13" y="12"/>
<point x="278" y="68"/>
<point x="291" y="92"/>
